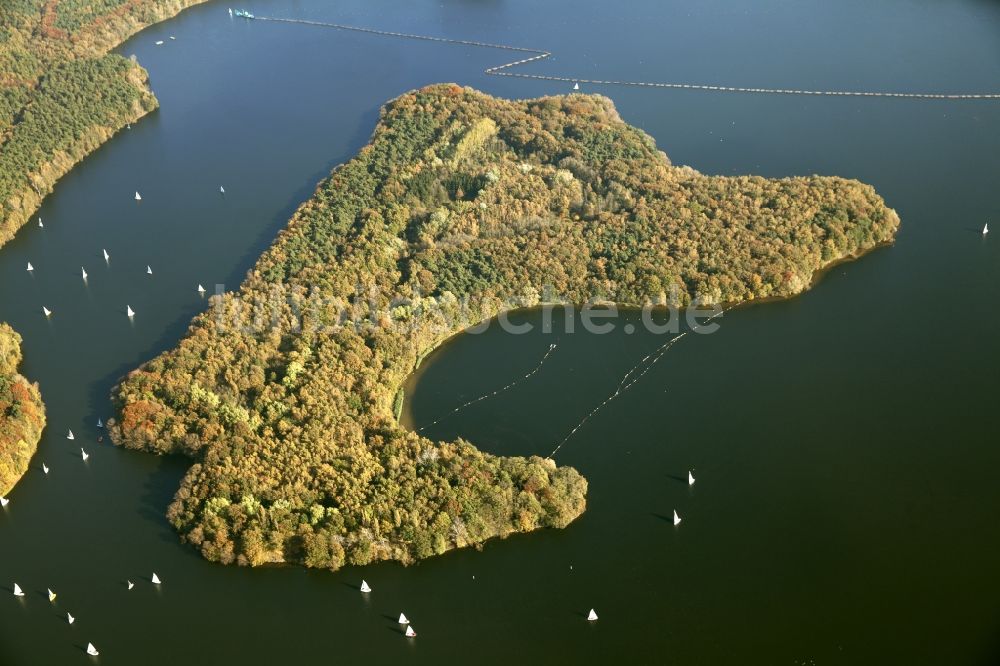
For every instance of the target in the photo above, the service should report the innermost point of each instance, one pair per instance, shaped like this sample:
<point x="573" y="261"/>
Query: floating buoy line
<point x="541" y="54"/>
<point x="635" y="373"/>
<point x="497" y="392"/>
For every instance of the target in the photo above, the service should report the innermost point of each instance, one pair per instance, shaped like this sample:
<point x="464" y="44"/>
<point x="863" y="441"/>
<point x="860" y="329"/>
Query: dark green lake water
<point x="846" y="510"/>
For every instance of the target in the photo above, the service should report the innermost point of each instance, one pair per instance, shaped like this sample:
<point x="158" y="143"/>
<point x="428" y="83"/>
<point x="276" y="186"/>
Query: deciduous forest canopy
<point x="287" y="411"/>
<point x="22" y="415"/>
<point x="61" y="93"/>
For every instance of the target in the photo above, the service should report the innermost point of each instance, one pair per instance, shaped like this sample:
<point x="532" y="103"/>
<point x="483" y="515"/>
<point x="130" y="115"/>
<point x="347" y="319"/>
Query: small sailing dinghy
<point x="130" y="584"/>
<point x="84" y="454"/>
<point x="69" y="435"/>
<point x="83" y="272"/>
<point x="172" y="37"/>
<point x="91" y="650"/>
<point x="100" y="423"/>
<point x="129" y="311"/>
<point x="222" y="190"/>
<point x="592" y="615"/>
<point x="690" y="479"/>
<point x="677" y="519"/>
<point x="4" y="501"/>
<point x="410" y="633"/>
<point x="201" y="289"/>
<point x="402" y="619"/>
<point x="30" y="267"/>
<point x="155" y="580"/>
<point x="159" y="42"/>
<point x="45" y="468"/>
<point x="149" y="271"/>
<point x="69" y="618"/>
<point x="52" y="595"/>
<point x="46" y="311"/>
<point x="106" y="255"/>
<point x="40" y="223"/>
<point x="576" y="86"/>
<point x="365" y="587"/>
<point x="18" y="592"/>
<point x="138" y="197"/>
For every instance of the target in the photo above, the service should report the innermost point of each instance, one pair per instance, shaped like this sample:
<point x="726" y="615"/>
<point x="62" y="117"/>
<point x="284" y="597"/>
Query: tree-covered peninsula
<point x="22" y="415"/>
<point x="62" y="94"/>
<point x="460" y="207"/>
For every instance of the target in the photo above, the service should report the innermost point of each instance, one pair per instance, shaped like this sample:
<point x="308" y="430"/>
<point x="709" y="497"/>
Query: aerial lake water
<point x="845" y="442"/>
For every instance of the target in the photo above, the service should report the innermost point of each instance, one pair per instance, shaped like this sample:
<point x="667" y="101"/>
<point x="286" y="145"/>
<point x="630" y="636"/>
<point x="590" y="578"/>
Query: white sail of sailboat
<point x="201" y="289"/>
<point x="46" y="311"/>
<point x="30" y="267"/>
<point x="18" y="592"/>
<point x="149" y="271"/>
<point x="576" y="86"/>
<point x="84" y="454"/>
<point x="69" y="435"/>
<point x="690" y="478"/>
<point x="100" y="423"/>
<point x="129" y="311"/>
<point x="138" y="197"/>
<point x="402" y="619"/>
<point x="986" y="228"/>
<point x="69" y="618"/>
<point x="230" y="12"/>
<point x="45" y="468"/>
<point x="592" y="615"/>
<point x="40" y="223"/>
<point x="52" y="595"/>
<point x="130" y="584"/>
<point x="155" y="579"/>
<point x="677" y="519"/>
<point x="91" y="650"/>
<point x="222" y="190"/>
<point x="410" y="633"/>
<point x="365" y="587"/>
<point x="106" y="255"/>
<point x="83" y="272"/>
<point x="4" y="501"/>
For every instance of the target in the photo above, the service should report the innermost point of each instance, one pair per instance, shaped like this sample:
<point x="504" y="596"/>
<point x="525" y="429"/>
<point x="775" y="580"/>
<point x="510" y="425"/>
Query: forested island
<point x="22" y="415"/>
<point x="61" y="93"/>
<point x="460" y="207"/>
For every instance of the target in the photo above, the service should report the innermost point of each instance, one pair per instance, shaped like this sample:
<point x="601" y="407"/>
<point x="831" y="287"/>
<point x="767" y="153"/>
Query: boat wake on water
<point x="541" y="54"/>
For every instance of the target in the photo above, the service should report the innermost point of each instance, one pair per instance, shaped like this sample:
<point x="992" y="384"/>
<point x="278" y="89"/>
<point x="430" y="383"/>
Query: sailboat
<point x="84" y="454"/>
<point x="365" y="587"/>
<point x="130" y="584"/>
<point x="230" y="12"/>
<point x="69" y="435"/>
<point x="410" y="633"/>
<point x="159" y="42"/>
<point x="986" y="228"/>
<point x="4" y="501"/>
<point x="45" y="468"/>
<point x="172" y="37"/>
<point x="138" y="197"/>
<point x="690" y="479"/>
<point x="40" y="223"/>
<point x="129" y="311"/>
<point x="46" y="311"/>
<point x="402" y="619"/>
<point x="18" y="592"/>
<point x="106" y="255"/>
<point x="222" y="190"/>
<point x="30" y="267"/>
<point x="155" y="579"/>
<point x="91" y="650"/>
<point x="83" y="272"/>
<point x="201" y="289"/>
<point x="52" y="595"/>
<point x="576" y="86"/>
<point x="592" y="615"/>
<point x="100" y="423"/>
<point x="677" y="519"/>
<point x="149" y="271"/>
<point x="70" y="618"/>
